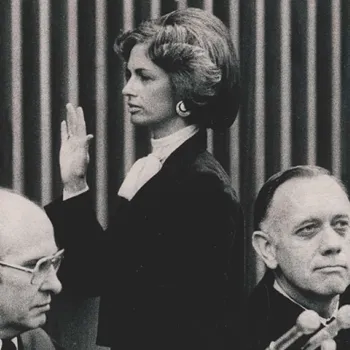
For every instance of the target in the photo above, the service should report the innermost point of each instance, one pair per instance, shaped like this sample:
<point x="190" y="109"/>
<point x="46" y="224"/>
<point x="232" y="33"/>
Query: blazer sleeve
<point x="78" y="231"/>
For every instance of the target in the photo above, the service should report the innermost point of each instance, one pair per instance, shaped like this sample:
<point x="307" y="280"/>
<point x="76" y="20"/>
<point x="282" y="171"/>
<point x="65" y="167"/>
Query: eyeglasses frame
<point x="58" y="254"/>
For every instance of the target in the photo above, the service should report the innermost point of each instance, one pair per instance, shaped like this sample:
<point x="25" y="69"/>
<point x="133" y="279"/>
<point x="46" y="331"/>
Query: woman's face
<point x="149" y="95"/>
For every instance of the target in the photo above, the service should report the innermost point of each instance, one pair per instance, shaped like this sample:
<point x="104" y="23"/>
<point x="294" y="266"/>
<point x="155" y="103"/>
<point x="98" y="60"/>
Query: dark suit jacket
<point x="169" y="268"/>
<point x="37" y="339"/>
<point x="269" y="314"/>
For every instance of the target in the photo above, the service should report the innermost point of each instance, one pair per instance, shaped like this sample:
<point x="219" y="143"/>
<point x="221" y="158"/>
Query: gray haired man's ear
<point x="265" y="247"/>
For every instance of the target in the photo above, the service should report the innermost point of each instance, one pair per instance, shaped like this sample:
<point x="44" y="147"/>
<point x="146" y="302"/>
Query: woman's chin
<point x="139" y="120"/>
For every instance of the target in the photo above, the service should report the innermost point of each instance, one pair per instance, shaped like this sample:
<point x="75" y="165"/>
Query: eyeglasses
<point x="42" y="267"/>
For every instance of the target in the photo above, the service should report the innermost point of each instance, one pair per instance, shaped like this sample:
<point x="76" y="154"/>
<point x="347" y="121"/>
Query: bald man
<point x="29" y="260"/>
<point x="302" y="233"/>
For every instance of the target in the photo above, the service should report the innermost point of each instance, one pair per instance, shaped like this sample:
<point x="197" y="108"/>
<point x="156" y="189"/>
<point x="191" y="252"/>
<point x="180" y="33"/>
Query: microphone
<point x="307" y="323"/>
<point x="331" y="330"/>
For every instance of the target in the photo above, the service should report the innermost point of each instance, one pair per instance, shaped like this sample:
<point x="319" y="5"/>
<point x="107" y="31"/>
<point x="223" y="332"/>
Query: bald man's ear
<point x="265" y="248"/>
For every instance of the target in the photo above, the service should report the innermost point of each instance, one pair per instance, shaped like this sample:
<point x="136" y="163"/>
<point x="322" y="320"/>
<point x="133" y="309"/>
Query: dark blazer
<point x="37" y="339"/>
<point x="269" y="314"/>
<point x="169" y="268"/>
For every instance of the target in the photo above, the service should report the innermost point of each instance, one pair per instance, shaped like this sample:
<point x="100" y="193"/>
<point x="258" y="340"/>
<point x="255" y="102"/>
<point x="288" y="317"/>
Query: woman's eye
<point x="145" y="77"/>
<point x="127" y="75"/>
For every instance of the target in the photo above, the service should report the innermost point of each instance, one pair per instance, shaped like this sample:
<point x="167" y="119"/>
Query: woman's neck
<point x="168" y="128"/>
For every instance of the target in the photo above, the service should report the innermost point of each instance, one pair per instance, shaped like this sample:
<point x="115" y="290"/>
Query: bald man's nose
<point x="52" y="283"/>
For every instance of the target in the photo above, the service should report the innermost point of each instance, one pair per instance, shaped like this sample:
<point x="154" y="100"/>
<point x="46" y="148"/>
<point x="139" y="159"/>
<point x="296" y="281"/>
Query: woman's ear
<point x="265" y="248"/>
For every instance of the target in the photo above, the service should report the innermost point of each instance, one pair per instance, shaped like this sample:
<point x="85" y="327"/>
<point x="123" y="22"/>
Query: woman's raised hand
<point x="74" y="153"/>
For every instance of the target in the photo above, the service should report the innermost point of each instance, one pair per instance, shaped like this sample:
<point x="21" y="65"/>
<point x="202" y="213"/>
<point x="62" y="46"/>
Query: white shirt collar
<point x="163" y="147"/>
<point x="146" y="167"/>
<point x="323" y="320"/>
<point x="14" y="341"/>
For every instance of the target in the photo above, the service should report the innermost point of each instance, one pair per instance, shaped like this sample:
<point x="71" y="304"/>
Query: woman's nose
<point x="129" y="88"/>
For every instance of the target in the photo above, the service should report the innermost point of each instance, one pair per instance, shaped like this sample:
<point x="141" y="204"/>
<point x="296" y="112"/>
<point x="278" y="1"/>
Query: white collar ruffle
<point x="145" y="168"/>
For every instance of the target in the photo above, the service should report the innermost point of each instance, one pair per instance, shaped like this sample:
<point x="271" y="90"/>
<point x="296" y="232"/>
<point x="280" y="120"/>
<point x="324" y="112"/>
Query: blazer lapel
<point x="175" y="165"/>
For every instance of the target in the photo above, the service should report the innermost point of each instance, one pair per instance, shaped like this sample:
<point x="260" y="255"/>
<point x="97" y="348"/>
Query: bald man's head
<point x="26" y="245"/>
<point x="21" y="220"/>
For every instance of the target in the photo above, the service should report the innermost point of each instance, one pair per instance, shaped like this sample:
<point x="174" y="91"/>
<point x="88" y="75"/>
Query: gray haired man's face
<point x="310" y="221"/>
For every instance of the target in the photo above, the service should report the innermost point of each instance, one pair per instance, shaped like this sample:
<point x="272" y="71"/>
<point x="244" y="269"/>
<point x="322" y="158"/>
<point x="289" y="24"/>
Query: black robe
<point x="269" y="314"/>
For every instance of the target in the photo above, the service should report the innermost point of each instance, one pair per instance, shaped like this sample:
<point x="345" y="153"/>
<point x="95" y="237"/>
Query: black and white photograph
<point x="174" y="174"/>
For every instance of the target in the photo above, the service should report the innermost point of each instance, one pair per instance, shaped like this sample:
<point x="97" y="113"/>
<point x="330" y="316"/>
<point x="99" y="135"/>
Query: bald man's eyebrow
<point x="33" y="261"/>
<point x="30" y="263"/>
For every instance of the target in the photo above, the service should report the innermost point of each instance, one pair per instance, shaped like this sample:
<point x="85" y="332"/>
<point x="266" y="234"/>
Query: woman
<point x="165" y="268"/>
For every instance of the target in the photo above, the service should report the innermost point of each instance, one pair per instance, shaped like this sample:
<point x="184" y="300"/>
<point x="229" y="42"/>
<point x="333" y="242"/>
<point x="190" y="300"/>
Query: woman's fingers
<point x="75" y="126"/>
<point x="75" y="121"/>
<point x="71" y="119"/>
<point x="88" y="141"/>
<point x="64" y="131"/>
<point x="80" y="122"/>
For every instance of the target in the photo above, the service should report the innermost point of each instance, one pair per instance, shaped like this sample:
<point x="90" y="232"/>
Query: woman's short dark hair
<point x="265" y="196"/>
<point x="195" y="48"/>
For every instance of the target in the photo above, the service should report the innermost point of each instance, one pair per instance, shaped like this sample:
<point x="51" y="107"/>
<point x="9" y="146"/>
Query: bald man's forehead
<point x="10" y="201"/>
<point x="16" y="211"/>
<point x="23" y="223"/>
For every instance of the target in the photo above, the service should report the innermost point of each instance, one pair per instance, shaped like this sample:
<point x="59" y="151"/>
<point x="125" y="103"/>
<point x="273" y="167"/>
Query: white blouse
<point x="145" y="168"/>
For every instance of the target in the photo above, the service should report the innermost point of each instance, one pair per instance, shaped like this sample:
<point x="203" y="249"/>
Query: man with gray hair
<point x="29" y="260"/>
<point x="302" y="234"/>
